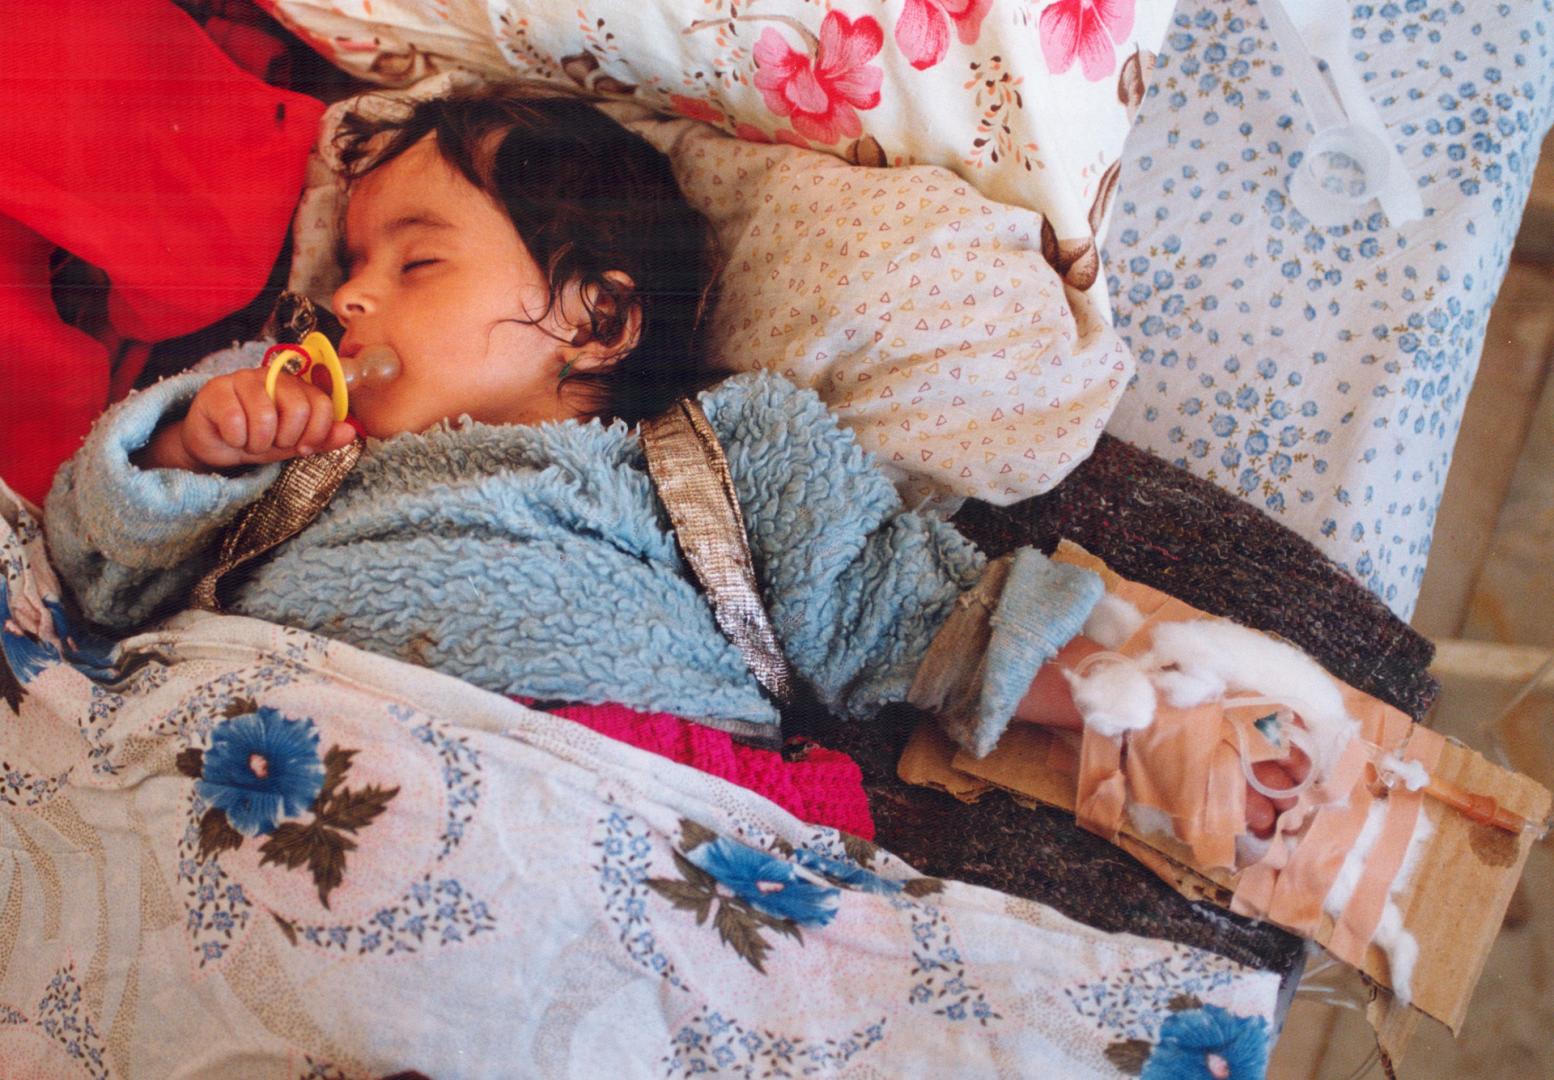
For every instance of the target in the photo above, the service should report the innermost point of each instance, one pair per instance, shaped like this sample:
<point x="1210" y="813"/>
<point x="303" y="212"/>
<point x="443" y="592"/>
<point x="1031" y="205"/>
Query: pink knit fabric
<point x="824" y="787"/>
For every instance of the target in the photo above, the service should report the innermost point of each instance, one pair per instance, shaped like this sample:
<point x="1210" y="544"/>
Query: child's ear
<point x="614" y="309"/>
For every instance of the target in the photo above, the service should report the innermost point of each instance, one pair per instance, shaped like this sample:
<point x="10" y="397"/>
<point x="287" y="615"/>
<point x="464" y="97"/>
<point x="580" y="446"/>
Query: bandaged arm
<point x="130" y="542"/>
<point x="858" y="586"/>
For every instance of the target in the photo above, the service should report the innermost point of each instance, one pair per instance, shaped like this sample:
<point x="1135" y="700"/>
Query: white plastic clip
<point x="1349" y="160"/>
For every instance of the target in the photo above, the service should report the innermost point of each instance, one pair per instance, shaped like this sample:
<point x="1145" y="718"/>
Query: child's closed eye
<point x="417" y="264"/>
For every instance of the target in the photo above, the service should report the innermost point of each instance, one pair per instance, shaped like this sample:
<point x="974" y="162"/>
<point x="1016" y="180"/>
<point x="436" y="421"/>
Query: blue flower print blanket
<point x="233" y="849"/>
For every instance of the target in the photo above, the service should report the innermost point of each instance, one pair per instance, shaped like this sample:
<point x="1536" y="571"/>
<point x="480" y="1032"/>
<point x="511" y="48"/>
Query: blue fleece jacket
<point x="538" y="561"/>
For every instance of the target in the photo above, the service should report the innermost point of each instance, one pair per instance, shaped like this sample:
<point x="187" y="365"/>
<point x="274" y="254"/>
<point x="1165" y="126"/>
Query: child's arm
<point x="233" y="421"/>
<point x="856" y="585"/>
<point x="129" y="530"/>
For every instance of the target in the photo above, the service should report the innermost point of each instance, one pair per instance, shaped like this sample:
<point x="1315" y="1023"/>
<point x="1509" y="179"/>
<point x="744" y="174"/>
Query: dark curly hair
<point x="587" y="196"/>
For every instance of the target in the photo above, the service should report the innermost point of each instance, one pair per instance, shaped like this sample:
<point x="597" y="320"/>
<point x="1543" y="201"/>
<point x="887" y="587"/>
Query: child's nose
<point x="352" y="300"/>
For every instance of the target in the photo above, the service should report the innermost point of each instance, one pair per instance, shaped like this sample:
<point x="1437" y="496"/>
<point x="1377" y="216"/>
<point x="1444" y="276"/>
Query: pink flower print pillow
<point x="1087" y="29"/>
<point x="923" y="30"/>
<point x="821" y="89"/>
<point x="1029" y="101"/>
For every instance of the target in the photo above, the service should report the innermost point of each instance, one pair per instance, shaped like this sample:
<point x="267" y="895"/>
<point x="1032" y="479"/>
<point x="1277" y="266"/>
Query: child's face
<point x="437" y="272"/>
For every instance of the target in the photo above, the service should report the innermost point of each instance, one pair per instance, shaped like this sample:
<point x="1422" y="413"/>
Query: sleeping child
<point x="543" y="283"/>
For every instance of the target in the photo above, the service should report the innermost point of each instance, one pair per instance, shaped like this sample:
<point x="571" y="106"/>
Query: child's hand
<point x="1050" y="702"/>
<point x="1261" y="811"/>
<point x="233" y="422"/>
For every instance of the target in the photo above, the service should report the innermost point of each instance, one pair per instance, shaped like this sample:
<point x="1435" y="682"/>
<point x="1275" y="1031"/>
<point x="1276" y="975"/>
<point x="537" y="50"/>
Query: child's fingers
<point x="321" y="421"/>
<point x="204" y="442"/>
<point x="1260" y="813"/>
<point x="304" y="414"/>
<point x="233" y="421"/>
<point x="224" y="414"/>
<point x="262" y="416"/>
<point x="340" y="434"/>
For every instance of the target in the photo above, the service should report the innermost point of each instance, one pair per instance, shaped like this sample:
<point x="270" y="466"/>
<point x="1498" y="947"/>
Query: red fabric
<point x="131" y="140"/>
<point x="824" y="787"/>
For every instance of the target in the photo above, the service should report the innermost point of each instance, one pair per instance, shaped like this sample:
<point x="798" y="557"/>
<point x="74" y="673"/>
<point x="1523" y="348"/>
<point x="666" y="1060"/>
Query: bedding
<point x="236" y="849"/>
<point x="926" y="315"/>
<point x="1029" y="102"/>
<point x="1321" y="374"/>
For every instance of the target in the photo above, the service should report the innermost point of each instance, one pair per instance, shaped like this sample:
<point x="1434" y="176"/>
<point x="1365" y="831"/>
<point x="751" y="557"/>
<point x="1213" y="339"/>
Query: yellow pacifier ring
<point x="315" y="348"/>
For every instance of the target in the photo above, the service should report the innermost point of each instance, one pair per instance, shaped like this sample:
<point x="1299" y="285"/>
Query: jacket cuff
<point x="152" y="518"/>
<point x="981" y="663"/>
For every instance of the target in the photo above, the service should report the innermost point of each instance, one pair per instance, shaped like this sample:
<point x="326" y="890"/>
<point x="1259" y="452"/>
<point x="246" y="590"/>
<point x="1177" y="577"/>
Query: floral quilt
<point x="235" y="849"/>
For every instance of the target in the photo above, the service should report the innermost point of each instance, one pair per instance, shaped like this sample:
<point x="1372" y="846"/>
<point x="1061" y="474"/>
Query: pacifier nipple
<point x="374" y="366"/>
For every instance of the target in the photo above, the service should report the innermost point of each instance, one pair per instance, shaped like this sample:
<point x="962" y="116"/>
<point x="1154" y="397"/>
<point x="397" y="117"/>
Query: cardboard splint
<point x="1453" y="906"/>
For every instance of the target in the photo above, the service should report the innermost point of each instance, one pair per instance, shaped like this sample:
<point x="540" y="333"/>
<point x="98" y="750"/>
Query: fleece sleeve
<point x="981" y="662"/>
<point x="856" y="585"/>
<point x="130" y="542"/>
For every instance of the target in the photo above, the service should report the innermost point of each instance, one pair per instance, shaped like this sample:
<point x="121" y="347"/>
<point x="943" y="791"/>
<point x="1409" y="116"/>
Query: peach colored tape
<point x="1357" y="925"/>
<point x="1167" y="765"/>
<point x="1290" y="893"/>
<point x="1102" y="792"/>
<point x="1289" y="888"/>
<point x="1186" y="765"/>
<point x="1255" y="890"/>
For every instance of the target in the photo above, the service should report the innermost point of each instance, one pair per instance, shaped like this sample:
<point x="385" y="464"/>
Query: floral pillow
<point x="925" y="314"/>
<point x="1029" y="102"/>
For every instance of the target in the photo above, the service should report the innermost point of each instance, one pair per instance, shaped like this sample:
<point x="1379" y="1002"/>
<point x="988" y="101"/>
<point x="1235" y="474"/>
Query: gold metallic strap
<point x="691" y="474"/>
<point x="303" y="489"/>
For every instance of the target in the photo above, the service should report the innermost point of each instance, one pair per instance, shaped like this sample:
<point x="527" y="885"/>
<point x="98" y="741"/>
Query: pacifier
<point x="1348" y="161"/>
<point x="295" y="321"/>
<point x="373" y="366"/>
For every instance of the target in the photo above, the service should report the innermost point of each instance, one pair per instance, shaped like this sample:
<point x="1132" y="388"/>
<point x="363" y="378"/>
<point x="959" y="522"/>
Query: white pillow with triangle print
<point x="923" y="312"/>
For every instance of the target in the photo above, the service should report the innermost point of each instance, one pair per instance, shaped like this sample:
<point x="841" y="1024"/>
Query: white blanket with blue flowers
<point x="232" y="849"/>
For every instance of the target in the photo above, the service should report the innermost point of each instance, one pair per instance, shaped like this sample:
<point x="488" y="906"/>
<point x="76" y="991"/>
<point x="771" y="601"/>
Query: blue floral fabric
<point x="91" y="654"/>
<point x="1321" y="373"/>
<point x="261" y="767"/>
<point x="384" y="854"/>
<point x="846" y="873"/>
<point x="767" y="883"/>
<point x="27" y="656"/>
<point x="1209" y="1043"/>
